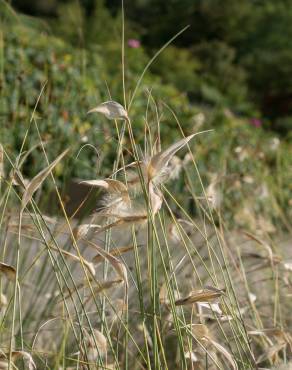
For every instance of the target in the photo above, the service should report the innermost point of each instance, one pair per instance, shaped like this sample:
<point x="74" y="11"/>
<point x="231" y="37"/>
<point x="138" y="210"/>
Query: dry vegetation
<point x="178" y="268"/>
<point x="137" y="285"/>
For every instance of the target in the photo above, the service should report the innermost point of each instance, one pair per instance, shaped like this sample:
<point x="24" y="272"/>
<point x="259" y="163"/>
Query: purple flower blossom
<point x="133" y="43"/>
<point x="256" y="122"/>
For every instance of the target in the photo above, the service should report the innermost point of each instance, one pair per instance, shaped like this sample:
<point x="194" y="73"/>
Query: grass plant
<point x="141" y="283"/>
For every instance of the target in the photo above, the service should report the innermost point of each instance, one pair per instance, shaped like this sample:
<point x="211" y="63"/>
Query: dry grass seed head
<point x="3" y="301"/>
<point x="73" y="257"/>
<point x="15" y="356"/>
<point x="8" y="271"/>
<point x="203" y="295"/>
<point x="114" y="252"/>
<point x="96" y="345"/>
<point x="82" y="230"/>
<point x="111" y="110"/>
<point x="37" y="181"/>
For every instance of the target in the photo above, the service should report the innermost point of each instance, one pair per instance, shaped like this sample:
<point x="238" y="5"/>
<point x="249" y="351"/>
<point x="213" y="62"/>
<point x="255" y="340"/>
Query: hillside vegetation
<point x="247" y="162"/>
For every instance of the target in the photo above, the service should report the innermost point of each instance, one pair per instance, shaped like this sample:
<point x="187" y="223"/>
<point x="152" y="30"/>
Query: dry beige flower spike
<point x="30" y="365"/>
<point x="156" y="168"/>
<point x="96" y="345"/>
<point x="117" y="199"/>
<point x="158" y="163"/>
<point x="118" y="265"/>
<point x="37" y="181"/>
<point x="8" y="271"/>
<point x="204" y="336"/>
<point x="82" y="230"/>
<point x="118" y="203"/>
<point x="111" y="110"/>
<point x="114" y="252"/>
<point x="73" y="257"/>
<point x="207" y="294"/>
<point x="3" y="301"/>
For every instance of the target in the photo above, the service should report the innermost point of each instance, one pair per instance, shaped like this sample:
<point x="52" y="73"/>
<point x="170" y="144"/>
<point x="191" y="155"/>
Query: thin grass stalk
<point x="58" y="269"/>
<point x="11" y="345"/>
<point x="210" y="248"/>
<point x="160" y="345"/>
<point x="138" y="274"/>
<point x="20" y="319"/>
<point x="36" y="211"/>
<point x="150" y="62"/>
<point x="149" y="240"/>
<point x="256" y="316"/>
<point x="200" y="345"/>
<point x="123" y="324"/>
<point x="233" y="294"/>
<point x="234" y="315"/>
<point x="198" y="254"/>
<point x="148" y="363"/>
<point x="152" y="268"/>
<point x="18" y="245"/>
<point x="170" y="289"/>
<point x="79" y="255"/>
<point x="78" y="294"/>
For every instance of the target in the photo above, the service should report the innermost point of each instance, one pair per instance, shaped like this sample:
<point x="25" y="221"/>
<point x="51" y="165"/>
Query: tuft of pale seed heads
<point x="111" y="110"/>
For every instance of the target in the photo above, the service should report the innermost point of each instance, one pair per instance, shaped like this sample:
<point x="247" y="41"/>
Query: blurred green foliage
<point x="243" y="47"/>
<point x="76" y="80"/>
<point x="234" y="54"/>
<point x="79" y="57"/>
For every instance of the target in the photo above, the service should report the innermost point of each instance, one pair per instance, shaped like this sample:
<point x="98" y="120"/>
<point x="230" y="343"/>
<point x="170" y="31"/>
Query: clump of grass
<point x="141" y="284"/>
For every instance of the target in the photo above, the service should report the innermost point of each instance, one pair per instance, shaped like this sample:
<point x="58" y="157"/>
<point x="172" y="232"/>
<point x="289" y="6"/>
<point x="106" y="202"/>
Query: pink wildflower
<point x="256" y="122"/>
<point x="133" y="43"/>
